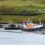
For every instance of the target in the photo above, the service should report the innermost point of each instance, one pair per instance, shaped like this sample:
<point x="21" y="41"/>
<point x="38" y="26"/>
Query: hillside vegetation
<point x="22" y="9"/>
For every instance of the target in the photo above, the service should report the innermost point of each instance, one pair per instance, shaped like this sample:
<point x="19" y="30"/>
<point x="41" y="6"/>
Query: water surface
<point x="13" y="37"/>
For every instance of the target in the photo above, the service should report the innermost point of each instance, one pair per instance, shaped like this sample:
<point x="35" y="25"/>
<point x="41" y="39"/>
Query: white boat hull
<point x="34" y="28"/>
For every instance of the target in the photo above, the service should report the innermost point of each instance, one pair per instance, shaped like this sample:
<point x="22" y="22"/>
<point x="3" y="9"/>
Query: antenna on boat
<point x="40" y="22"/>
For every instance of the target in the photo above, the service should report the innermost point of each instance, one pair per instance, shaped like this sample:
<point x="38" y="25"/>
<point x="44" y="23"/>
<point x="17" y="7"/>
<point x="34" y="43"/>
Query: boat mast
<point x="40" y="22"/>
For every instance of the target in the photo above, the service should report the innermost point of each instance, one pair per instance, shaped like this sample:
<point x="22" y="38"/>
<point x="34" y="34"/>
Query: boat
<point x="29" y="26"/>
<point x="12" y="27"/>
<point x="1" y="26"/>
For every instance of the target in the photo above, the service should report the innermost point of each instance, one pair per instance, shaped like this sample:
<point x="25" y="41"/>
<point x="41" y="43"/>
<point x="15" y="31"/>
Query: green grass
<point x="8" y="18"/>
<point x="19" y="6"/>
<point x="24" y="4"/>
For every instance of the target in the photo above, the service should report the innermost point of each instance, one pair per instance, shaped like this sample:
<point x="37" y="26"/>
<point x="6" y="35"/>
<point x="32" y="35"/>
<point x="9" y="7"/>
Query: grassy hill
<point x="21" y="7"/>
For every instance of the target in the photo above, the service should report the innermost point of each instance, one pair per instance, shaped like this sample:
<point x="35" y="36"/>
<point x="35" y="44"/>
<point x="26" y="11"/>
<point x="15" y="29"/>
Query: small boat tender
<point x="12" y="27"/>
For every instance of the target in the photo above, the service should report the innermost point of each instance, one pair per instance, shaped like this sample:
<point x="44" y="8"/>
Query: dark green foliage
<point x="1" y="0"/>
<point x="30" y="12"/>
<point x="4" y="10"/>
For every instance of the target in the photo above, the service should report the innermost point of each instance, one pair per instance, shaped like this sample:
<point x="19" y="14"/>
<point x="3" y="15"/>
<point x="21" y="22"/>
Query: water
<point x="42" y="31"/>
<point x="18" y="37"/>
